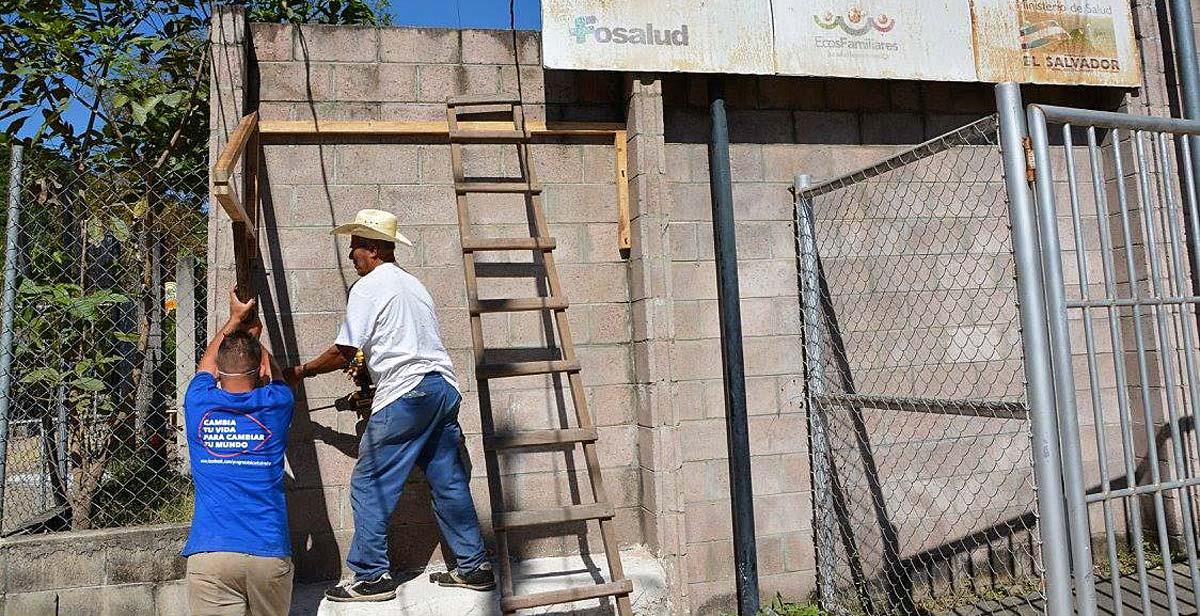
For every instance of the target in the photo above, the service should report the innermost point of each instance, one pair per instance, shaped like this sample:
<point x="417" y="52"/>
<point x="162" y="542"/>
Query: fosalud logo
<point x="586" y="30"/>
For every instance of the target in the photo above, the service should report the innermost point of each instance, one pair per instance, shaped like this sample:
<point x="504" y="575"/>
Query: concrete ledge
<point x="419" y="597"/>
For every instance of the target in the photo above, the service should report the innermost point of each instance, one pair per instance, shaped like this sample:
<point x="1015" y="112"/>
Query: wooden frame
<point x="441" y="130"/>
<point x="223" y="170"/>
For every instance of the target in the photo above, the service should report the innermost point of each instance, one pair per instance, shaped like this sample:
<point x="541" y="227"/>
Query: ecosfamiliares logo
<point x="586" y="30"/>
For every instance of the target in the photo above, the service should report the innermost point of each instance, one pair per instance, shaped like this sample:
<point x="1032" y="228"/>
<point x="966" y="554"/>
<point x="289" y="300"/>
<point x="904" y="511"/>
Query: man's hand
<point x="241" y="313"/>
<point x="293" y="375"/>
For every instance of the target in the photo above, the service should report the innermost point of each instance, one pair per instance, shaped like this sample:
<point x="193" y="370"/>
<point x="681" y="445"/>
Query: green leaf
<point x="88" y="383"/>
<point x="42" y="375"/>
<point x="139" y="113"/>
<point x="141" y="206"/>
<point x="120" y="100"/>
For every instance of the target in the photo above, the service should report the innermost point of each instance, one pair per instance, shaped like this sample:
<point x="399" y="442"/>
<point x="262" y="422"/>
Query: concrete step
<point x="419" y="597"/>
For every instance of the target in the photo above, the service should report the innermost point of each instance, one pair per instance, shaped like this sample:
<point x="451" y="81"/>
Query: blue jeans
<point x="421" y="428"/>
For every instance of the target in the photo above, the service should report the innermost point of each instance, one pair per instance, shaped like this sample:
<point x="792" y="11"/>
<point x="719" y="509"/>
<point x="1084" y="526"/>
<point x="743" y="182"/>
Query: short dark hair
<point x="239" y="352"/>
<point x="386" y="249"/>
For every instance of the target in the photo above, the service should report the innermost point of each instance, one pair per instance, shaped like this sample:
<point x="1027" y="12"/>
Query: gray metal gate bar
<point x="1090" y="345"/>
<point x="1143" y="372"/>
<point x="938" y="406"/>
<point x="1035" y="339"/>
<point x="1063" y="374"/>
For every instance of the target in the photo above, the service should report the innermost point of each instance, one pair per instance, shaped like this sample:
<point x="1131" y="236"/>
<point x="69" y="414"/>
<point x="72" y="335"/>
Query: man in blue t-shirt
<point x="237" y="419"/>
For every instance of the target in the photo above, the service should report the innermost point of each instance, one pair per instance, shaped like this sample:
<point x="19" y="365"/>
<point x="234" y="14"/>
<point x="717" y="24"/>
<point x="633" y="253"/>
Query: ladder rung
<point x="497" y="187"/>
<point x="524" y="368"/>
<point x="475" y="244"/>
<point x="481" y="306"/>
<point x="506" y="520"/>
<point x="566" y="595"/>
<point x="487" y="136"/>
<point x="483" y="99"/>
<point x="537" y="438"/>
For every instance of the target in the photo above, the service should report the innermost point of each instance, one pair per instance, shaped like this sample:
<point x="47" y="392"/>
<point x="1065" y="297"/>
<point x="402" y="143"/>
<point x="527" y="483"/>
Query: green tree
<point x="122" y="194"/>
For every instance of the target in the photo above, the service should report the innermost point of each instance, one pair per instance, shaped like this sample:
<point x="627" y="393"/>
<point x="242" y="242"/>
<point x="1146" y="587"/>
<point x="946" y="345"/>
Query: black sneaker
<point x="382" y="588"/>
<point x="480" y="579"/>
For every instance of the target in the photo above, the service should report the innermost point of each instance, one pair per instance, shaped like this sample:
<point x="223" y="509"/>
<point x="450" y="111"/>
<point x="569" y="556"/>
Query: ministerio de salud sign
<point x="1086" y="42"/>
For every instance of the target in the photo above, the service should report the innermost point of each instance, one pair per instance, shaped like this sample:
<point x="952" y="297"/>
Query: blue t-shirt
<point x="236" y="444"/>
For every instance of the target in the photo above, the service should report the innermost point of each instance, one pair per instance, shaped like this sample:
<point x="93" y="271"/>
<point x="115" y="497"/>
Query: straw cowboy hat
<point x="375" y="225"/>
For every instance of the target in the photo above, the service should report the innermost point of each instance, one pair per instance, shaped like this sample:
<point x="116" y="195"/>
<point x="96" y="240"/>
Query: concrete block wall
<point x="311" y="185"/>
<point x="114" y="571"/>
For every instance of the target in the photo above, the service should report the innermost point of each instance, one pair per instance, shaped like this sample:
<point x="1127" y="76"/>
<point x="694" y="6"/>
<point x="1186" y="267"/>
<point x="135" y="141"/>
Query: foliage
<point x="780" y="607"/>
<point x="118" y="195"/>
<point x="345" y="12"/>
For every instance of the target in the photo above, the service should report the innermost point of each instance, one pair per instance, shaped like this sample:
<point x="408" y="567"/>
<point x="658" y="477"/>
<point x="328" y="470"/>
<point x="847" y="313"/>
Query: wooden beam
<point x="430" y="128"/>
<point x="233" y="150"/>
<point x="232" y="205"/>
<point x="624" y="242"/>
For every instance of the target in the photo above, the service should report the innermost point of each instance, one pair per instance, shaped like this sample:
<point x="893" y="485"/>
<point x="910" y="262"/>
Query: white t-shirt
<point x="391" y="319"/>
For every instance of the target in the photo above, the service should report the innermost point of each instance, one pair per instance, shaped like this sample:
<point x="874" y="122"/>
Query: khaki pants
<point x="232" y="584"/>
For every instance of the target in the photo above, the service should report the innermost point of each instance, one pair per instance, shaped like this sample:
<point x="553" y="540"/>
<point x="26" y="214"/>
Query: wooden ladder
<point x="463" y="131"/>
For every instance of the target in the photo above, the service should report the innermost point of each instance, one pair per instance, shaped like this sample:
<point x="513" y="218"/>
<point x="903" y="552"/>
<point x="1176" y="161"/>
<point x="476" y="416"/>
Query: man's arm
<point x="239" y="313"/>
<point x="334" y="358"/>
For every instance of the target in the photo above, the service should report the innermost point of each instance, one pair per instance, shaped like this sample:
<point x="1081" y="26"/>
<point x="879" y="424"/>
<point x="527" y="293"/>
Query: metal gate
<point x="1001" y="361"/>
<point x="1116" y="218"/>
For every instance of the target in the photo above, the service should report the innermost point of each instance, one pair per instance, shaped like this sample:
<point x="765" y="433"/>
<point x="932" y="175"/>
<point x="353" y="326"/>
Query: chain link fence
<point x="922" y="464"/>
<point x="108" y="321"/>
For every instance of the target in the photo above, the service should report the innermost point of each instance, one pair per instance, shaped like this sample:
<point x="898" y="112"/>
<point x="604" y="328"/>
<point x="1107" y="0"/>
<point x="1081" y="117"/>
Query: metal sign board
<point x="705" y="36"/>
<point x="1087" y="42"/>
<point x="1056" y="41"/>
<point x="875" y="38"/>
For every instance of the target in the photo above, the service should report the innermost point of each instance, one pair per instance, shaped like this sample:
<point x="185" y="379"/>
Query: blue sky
<point x="465" y="13"/>
<point x="421" y="13"/>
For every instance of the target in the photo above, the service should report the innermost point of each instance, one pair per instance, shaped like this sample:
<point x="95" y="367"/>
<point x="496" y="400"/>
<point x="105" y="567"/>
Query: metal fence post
<point x="812" y="320"/>
<point x="1039" y="383"/>
<point x="8" y="307"/>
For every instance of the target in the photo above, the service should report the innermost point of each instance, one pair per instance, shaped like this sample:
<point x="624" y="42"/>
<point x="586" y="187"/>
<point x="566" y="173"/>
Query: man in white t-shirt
<point x="414" y="415"/>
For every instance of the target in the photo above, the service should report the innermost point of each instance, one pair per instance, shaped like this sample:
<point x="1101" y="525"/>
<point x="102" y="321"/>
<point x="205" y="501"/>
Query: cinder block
<point x="298" y="164"/>
<point x="826" y="127"/>
<point x="595" y="282"/>
<point x="440" y="81"/>
<point x="683" y="241"/>
<point x="856" y="95"/>
<point x="316" y="509"/>
<point x="703" y="439"/>
<point x="708" y="480"/>
<point x="791" y="92"/>
<point x="711" y="560"/>
<point x="688" y="400"/>
<point x="272" y="42"/>
<point x="170" y="599"/>
<point x="581" y="203"/>
<point x="799" y="553"/>
<point x="294" y="81"/>
<point x="745" y="162"/>
<point x="496" y="47"/>
<point x="42" y="603"/>
<point x="605" y="365"/>
<point x="782" y="513"/>
<point x="420" y="204"/>
<point x="322" y="43"/>
<point x="611" y="405"/>
<point x="420" y="45"/>
<point x="710" y="521"/>
<point x="52" y="565"/>
<point x="434" y="163"/>
<point x="375" y="164"/>
<point x="608" y="323"/>
<point x="760" y="126"/>
<point x="767" y="278"/>
<point x="424" y="112"/>
<point x="762" y="201"/>
<point x="694" y="280"/>
<point x="893" y="128"/>
<point x="560" y="163"/>
<point x="375" y="82"/>
<point x="690" y="202"/>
